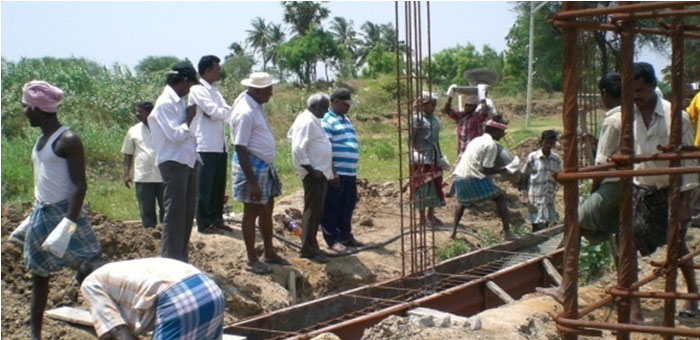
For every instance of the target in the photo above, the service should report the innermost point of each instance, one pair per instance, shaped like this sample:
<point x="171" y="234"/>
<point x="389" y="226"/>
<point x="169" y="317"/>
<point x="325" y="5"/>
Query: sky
<point x="126" y="32"/>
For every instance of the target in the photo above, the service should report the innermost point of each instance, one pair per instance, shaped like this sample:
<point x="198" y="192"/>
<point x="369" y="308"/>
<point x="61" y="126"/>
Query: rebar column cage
<point x="622" y="20"/>
<point x="413" y="78"/>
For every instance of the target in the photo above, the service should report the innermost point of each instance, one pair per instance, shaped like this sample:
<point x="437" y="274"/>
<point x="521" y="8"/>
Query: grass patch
<point x="452" y="249"/>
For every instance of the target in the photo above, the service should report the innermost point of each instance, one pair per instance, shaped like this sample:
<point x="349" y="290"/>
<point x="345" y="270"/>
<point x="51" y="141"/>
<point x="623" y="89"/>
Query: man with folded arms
<point x="212" y="111"/>
<point x="59" y="190"/>
<point x="256" y="182"/>
<point x="312" y="154"/>
<point x="176" y="156"/>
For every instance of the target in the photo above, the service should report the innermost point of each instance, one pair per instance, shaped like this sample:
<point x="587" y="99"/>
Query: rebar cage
<point x="622" y="21"/>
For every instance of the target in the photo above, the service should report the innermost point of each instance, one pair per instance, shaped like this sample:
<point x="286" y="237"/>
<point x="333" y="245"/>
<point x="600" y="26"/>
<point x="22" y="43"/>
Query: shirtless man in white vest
<point x="59" y="190"/>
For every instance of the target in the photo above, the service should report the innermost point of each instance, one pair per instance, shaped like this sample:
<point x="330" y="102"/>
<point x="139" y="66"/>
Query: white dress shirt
<point x="310" y="145"/>
<point x="126" y="292"/>
<point x="212" y="112"/>
<point x="172" y="138"/>
<point x="249" y="128"/>
<point x="645" y="141"/>
<point x="480" y="153"/>
<point x="139" y="145"/>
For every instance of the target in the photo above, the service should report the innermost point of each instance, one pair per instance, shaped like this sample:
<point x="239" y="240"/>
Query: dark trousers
<point x="147" y="194"/>
<point x="211" y="187"/>
<point x="314" y="199"/>
<point x="336" y="223"/>
<point x="179" y="197"/>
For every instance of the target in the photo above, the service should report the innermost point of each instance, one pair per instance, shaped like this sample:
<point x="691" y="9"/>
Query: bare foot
<point x="557" y="293"/>
<point x="690" y="309"/>
<point x="636" y="314"/>
<point x="453" y="236"/>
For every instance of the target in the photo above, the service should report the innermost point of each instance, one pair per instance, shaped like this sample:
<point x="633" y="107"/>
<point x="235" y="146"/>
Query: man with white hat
<point x="176" y="156"/>
<point x="59" y="190"/>
<point x="255" y="179"/>
<point x="469" y="124"/>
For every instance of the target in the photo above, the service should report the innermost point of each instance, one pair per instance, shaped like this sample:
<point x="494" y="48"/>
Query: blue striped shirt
<point x="346" y="149"/>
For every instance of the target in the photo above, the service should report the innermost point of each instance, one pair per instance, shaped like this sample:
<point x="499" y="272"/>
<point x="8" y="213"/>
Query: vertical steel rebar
<point x="400" y="142"/>
<point x="674" y="225"/>
<point x="430" y="89"/>
<point x="570" y="111"/>
<point x="627" y="268"/>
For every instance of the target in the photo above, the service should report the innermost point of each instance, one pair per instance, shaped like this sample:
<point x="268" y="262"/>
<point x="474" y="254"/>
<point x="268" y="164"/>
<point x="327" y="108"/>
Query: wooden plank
<point x="552" y="271"/>
<point x="72" y="315"/>
<point x="494" y="288"/>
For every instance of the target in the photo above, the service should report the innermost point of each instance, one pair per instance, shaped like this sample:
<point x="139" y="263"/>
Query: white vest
<point x="52" y="183"/>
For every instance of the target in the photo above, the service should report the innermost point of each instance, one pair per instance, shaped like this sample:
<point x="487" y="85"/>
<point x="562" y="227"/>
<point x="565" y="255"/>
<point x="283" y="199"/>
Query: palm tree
<point x="372" y="37"/>
<point x="259" y="38"/>
<point x="345" y="35"/>
<point x="236" y="49"/>
<point x="276" y="38"/>
<point x="302" y="14"/>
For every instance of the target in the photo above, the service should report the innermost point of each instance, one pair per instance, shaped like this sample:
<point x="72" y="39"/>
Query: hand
<point x="451" y="90"/>
<point x="191" y="112"/>
<point x="335" y="182"/>
<point x="255" y="192"/>
<point x="127" y="181"/>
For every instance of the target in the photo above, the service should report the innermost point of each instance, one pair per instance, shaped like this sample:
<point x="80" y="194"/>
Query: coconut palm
<point x="276" y="38"/>
<point x="345" y="35"/>
<point x="302" y="14"/>
<point x="259" y="39"/>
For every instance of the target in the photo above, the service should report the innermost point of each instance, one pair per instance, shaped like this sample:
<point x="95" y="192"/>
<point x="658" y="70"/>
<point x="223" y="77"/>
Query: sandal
<point x="275" y="260"/>
<point x="258" y="268"/>
<point x="688" y="313"/>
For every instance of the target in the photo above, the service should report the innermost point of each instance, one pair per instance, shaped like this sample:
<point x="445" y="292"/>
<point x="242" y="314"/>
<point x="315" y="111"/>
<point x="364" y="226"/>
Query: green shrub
<point x="452" y="249"/>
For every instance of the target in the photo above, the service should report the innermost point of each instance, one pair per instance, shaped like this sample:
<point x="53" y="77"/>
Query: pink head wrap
<point x="496" y="125"/>
<point x="42" y="95"/>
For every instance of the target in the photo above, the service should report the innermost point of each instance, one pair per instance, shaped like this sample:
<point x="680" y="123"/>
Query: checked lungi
<point x="265" y="174"/>
<point x="190" y="310"/>
<point x="42" y="220"/>
<point x="472" y="190"/>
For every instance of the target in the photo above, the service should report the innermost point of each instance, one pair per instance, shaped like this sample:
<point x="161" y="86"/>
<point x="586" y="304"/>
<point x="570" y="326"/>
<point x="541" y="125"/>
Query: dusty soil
<point x="376" y="218"/>
<point x="530" y="318"/>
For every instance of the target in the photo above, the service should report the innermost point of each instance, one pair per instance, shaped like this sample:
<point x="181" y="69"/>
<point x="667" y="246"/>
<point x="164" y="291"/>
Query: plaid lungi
<point x="471" y="190"/>
<point x="265" y="174"/>
<point x="43" y="219"/>
<point x="190" y="310"/>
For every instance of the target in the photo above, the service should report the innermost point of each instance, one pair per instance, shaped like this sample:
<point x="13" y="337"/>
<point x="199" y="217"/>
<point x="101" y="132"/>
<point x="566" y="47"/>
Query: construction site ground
<point x="377" y="218"/>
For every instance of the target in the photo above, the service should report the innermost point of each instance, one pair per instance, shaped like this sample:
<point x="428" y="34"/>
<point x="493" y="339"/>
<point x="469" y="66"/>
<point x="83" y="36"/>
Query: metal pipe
<point x="665" y="156"/>
<point x="596" y="26"/>
<point x="589" y="12"/>
<point x="400" y="141"/>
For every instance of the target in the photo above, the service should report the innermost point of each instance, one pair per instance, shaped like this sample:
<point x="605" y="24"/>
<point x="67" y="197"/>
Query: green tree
<point x="301" y="15"/>
<point x="379" y="61"/>
<point x="237" y="67"/>
<point x="259" y="39"/>
<point x="236" y="49"/>
<point x="152" y="64"/>
<point x="301" y="53"/>
<point x="449" y="65"/>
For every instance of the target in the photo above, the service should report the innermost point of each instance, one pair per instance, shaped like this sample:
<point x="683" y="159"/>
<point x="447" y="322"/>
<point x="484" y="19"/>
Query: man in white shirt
<point x="652" y="118"/>
<point x="473" y="181"/>
<point x="256" y="182"/>
<point x="176" y="156"/>
<point x="212" y="112"/>
<point x="313" y="158"/>
<point x="138" y="151"/>
<point x="173" y="299"/>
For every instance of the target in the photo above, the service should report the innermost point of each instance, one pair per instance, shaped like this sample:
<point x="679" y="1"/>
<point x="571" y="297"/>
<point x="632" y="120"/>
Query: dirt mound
<point x="543" y="108"/>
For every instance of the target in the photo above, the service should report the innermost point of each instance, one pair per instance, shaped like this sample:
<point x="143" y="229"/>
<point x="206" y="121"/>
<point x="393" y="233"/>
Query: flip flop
<point x="276" y="260"/>
<point x="258" y="268"/>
